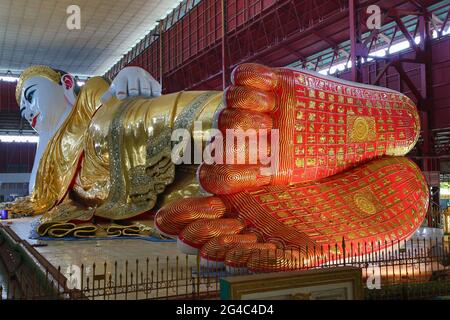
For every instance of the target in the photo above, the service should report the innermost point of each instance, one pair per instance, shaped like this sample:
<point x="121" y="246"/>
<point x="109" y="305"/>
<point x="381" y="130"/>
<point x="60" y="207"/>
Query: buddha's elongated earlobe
<point x="68" y="83"/>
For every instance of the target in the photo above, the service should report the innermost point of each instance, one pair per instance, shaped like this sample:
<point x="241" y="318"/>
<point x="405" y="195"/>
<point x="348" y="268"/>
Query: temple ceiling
<point x="35" y="32"/>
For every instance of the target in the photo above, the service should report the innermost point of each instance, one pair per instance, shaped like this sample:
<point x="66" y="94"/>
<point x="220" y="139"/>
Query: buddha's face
<point x="42" y="103"/>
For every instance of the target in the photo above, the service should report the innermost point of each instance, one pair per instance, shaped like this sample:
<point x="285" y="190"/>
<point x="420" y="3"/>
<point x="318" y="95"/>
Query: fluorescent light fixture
<point x="9" y="78"/>
<point x="399" y="47"/>
<point x="337" y="67"/>
<point x="378" y="53"/>
<point x="444" y="191"/>
<point x="446" y="32"/>
<point x="19" y="138"/>
<point x="403" y="45"/>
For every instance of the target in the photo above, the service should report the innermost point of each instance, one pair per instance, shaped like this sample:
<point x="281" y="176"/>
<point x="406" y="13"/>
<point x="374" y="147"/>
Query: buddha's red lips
<point x="34" y="120"/>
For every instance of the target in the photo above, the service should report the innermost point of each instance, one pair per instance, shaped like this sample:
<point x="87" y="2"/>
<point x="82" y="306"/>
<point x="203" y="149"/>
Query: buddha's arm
<point x="137" y="124"/>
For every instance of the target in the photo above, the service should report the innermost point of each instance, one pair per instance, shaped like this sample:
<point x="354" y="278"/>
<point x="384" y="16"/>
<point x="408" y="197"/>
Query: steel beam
<point x="225" y="55"/>
<point x="161" y="52"/>
<point x="355" y="34"/>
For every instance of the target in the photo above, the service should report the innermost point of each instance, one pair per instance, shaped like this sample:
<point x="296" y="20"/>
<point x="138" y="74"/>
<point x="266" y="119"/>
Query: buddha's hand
<point x="255" y="216"/>
<point x="132" y="82"/>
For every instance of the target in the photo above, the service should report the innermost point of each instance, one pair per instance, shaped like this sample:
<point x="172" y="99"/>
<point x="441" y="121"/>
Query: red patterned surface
<point x="341" y="174"/>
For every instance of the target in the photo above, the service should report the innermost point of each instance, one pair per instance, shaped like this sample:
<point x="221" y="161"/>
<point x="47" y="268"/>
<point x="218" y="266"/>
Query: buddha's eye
<point x="30" y="95"/>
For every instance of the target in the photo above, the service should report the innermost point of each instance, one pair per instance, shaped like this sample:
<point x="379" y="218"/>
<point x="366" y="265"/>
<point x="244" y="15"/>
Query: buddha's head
<point x="43" y="95"/>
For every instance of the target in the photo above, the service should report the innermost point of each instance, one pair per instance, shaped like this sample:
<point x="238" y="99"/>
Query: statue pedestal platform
<point x="117" y="260"/>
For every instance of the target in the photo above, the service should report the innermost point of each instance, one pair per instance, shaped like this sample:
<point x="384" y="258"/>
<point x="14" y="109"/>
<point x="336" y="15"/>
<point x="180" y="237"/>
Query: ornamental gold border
<point x="233" y="288"/>
<point x="358" y="134"/>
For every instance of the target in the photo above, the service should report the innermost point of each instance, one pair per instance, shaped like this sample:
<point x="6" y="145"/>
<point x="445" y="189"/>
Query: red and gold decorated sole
<point x="382" y="201"/>
<point x="327" y="126"/>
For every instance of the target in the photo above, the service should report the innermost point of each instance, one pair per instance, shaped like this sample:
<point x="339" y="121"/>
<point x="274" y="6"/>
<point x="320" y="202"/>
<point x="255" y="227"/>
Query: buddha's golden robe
<point x="112" y="161"/>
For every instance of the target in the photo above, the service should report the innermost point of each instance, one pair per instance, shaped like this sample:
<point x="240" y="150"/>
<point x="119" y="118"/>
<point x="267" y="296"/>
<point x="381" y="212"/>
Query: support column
<point x="225" y="56"/>
<point x="161" y="52"/>
<point x="355" y="41"/>
<point x="431" y="163"/>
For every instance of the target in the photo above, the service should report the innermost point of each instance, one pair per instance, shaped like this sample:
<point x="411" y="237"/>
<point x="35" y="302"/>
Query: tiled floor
<point x="70" y="256"/>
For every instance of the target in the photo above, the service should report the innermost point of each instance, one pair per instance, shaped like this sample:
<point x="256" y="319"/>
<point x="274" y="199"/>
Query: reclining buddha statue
<point x="105" y="164"/>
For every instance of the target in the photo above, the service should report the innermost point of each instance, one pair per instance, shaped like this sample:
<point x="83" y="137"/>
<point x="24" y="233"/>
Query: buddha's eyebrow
<point x="26" y="90"/>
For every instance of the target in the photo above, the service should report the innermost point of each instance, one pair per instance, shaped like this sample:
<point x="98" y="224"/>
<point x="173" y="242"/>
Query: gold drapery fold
<point x="66" y="218"/>
<point x="59" y="162"/>
<point x="140" y="163"/>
